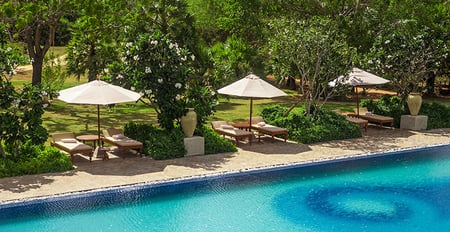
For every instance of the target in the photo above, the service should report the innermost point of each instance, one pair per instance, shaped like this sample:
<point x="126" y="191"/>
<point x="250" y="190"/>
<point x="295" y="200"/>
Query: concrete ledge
<point x="410" y="122"/>
<point x="194" y="145"/>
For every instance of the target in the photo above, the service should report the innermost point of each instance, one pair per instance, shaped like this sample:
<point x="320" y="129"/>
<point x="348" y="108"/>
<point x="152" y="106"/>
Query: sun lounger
<point x="225" y="129"/>
<point x="68" y="143"/>
<point x="117" y="138"/>
<point x="263" y="128"/>
<point x="374" y="118"/>
<point x="353" y="119"/>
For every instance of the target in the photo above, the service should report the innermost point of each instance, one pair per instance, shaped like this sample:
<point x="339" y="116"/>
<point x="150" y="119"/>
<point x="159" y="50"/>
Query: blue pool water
<point x="398" y="191"/>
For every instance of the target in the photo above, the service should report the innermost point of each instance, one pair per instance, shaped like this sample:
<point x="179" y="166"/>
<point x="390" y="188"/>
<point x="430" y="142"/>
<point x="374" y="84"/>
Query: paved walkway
<point x="132" y="169"/>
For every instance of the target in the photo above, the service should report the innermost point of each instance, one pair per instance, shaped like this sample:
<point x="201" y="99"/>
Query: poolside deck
<point x="133" y="169"/>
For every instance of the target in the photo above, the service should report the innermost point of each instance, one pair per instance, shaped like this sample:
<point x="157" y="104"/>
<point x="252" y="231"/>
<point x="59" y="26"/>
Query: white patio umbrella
<point x="251" y="86"/>
<point x="97" y="93"/>
<point x="358" y="77"/>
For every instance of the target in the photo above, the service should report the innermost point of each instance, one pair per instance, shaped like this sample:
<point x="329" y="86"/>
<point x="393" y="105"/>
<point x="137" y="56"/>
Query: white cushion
<point x="228" y="127"/>
<point x="118" y="136"/>
<point x="261" y="124"/>
<point x="69" y="140"/>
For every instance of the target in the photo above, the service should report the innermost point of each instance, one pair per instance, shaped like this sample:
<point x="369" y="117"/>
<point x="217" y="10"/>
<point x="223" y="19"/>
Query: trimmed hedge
<point x="325" y="127"/>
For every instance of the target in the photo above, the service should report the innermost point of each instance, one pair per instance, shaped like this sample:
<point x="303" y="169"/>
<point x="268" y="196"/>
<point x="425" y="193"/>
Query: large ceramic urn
<point x="414" y="102"/>
<point x="189" y="122"/>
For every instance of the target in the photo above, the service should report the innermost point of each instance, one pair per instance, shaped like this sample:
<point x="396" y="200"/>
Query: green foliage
<point x="406" y="53"/>
<point x="37" y="159"/>
<point x="20" y="116"/>
<point x="169" y="144"/>
<point x="302" y="128"/>
<point x="313" y="50"/>
<point x="160" y="69"/>
<point x="214" y="143"/>
<point x="395" y="107"/>
<point x="159" y="143"/>
<point x="232" y="60"/>
<point x="438" y="115"/>
<point x="391" y="106"/>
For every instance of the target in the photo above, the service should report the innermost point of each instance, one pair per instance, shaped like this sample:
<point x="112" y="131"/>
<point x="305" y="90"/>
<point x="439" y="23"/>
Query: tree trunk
<point x="430" y="84"/>
<point x="37" y="70"/>
<point x="290" y="83"/>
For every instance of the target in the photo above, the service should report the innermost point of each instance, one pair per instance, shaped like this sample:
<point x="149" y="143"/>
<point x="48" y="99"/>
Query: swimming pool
<point x="405" y="190"/>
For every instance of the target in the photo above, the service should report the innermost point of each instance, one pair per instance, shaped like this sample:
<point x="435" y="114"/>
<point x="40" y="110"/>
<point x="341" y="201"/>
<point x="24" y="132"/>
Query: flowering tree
<point x="313" y="51"/>
<point x="406" y="55"/>
<point x="158" y="68"/>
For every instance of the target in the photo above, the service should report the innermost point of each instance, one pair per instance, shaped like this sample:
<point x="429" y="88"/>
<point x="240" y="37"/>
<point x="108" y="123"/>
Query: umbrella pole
<point x="250" y="121"/>
<point x="357" y="101"/>
<point x="98" y="124"/>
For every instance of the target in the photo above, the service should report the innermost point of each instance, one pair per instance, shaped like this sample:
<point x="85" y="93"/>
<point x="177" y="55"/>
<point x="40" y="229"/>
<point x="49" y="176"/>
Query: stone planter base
<point x="194" y="145"/>
<point x="411" y="122"/>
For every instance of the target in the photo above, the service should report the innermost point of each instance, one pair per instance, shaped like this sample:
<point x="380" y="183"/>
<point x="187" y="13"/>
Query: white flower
<point x="106" y="70"/>
<point x="178" y="85"/>
<point x="136" y="57"/>
<point x="387" y="41"/>
<point x="44" y="93"/>
<point x="148" y="91"/>
<point x="148" y="70"/>
<point x="154" y="42"/>
<point x="389" y="56"/>
<point x="129" y="44"/>
<point x="119" y="76"/>
<point x="178" y="97"/>
<point x="171" y="45"/>
<point x="160" y="80"/>
<point x="132" y="88"/>
<point x="192" y="57"/>
<point x="370" y="61"/>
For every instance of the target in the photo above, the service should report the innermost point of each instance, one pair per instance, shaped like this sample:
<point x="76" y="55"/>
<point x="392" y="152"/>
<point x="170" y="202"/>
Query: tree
<point x="20" y="112"/>
<point x="160" y="69"/>
<point x="95" y="36"/>
<point x="35" y="22"/>
<point x="312" y="50"/>
<point x="406" y="53"/>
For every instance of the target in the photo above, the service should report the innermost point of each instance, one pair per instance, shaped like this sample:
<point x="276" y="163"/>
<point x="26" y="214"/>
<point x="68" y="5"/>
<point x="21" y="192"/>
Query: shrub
<point x="325" y="126"/>
<point x="158" y="143"/>
<point x="168" y="144"/>
<point x="393" y="106"/>
<point x="214" y="143"/>
<point x="438" y="115"/>
<point x="38" y="159"/>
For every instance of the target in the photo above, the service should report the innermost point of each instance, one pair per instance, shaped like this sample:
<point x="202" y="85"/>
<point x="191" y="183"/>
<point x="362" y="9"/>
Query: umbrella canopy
<point x="97" y="93"/>
<point x="358" y="77"/>
<point x="251" y="86"/>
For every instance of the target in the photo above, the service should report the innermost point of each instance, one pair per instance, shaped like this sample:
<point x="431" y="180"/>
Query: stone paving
<point x="127" y="169"/>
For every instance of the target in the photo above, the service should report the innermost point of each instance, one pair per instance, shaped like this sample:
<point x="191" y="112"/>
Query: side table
<point x="90" y="138"/>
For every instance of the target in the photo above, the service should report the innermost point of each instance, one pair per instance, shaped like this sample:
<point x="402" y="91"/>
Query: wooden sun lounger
<point x="259" y="125"/>
<point x="68" y="143"/>
<point x="225" y="129"/>
<point x="375" y="118"/>
<point x="115" y="137"/>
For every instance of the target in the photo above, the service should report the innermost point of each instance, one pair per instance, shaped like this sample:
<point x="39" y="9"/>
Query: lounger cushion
<point x="69" y="140"/>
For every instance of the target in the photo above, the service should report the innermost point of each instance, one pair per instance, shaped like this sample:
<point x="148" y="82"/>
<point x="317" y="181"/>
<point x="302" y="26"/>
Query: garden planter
<point x="414" y="101"/>
<point x="189" y="122"/>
